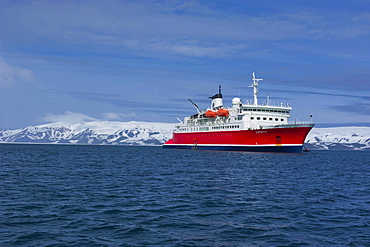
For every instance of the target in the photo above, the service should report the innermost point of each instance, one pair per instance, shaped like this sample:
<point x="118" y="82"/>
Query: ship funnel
<point x="217" y="101"/>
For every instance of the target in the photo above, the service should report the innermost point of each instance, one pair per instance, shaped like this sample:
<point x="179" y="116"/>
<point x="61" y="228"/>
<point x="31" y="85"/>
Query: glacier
<point x="154" y="133"/>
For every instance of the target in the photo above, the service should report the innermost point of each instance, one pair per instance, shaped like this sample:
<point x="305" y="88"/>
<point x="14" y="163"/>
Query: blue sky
<point x="141" y="60"/>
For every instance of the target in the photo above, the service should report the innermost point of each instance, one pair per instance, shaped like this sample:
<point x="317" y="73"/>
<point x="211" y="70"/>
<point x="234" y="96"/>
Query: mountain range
<point x="92" y="132"/>
<point x="151" y="133"/>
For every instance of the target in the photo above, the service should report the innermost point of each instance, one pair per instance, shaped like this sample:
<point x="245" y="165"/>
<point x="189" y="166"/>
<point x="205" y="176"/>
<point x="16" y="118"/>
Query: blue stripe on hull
<point x="276" y="149"/>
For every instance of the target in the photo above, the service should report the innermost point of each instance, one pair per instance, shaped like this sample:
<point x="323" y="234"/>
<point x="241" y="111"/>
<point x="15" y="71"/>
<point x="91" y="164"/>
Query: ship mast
<point x="255" y="88"/>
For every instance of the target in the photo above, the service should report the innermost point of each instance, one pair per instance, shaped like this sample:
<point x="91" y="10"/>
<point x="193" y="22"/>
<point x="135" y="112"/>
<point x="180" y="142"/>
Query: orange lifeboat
<point x="222" y="113"/>
<point x="211" y="114"/>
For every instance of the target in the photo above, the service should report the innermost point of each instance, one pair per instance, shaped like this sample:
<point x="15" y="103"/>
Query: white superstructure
<point x="241" y="116"/>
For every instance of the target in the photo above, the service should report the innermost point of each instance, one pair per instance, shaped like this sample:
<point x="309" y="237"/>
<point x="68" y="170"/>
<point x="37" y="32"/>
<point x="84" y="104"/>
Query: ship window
<point x="264" y="118"/>
<point x="252" y="118"/>
<point x="281" y="120"/>
<point x="270" y="118"/>
<point x="258" y="118"/>
<point x="276" y="119"/>
<point x="258" y="109"/>
<point x="254" y="109"/>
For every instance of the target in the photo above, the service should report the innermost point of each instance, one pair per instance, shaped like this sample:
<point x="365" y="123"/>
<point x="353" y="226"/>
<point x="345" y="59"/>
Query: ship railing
<point x="299" y="122"/>
<point x="210" y="122"/>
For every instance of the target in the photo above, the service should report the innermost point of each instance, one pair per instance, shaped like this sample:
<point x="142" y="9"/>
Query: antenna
<point x="195" y="105"/>
<point x="255" y="88"/>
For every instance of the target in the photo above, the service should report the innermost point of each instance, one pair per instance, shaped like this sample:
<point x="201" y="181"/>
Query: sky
<point x="126" y="60"/>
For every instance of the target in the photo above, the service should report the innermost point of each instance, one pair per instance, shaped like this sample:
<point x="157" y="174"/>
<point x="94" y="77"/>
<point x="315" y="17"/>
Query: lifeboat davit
<point x="222" y="113"/>
<point x="211" y="114"/>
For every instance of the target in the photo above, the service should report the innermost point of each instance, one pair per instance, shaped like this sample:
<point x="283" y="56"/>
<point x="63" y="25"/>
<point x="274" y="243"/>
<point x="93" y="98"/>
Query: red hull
<point x="236" y="140"/>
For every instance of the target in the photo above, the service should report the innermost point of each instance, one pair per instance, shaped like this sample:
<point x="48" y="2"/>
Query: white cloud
<point x="9" y="75"/>
<point x="68" y="117"/>
<point x="128" y="115"/>
<point x="117" y="116"/>
<point x="75" y="117"/>
<point x="111" y="116"/>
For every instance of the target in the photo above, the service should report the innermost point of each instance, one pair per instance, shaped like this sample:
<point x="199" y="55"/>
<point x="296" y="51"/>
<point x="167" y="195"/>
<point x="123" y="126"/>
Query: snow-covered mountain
<point x="339" y="138"/>
<point x="93" y="132"/>
<point x="150" y="133"/>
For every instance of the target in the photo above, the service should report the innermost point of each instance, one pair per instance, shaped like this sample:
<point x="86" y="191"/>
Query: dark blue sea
<point x="70" y="195"/>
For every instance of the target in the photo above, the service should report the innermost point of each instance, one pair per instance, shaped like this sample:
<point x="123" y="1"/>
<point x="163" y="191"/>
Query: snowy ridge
<point x="94" y="132"/>
<point x="339" y="138"/>
<point x="150" y="133"/>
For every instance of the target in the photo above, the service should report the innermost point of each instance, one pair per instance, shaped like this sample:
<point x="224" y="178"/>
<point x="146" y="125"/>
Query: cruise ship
<point x="250" y="127"/>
